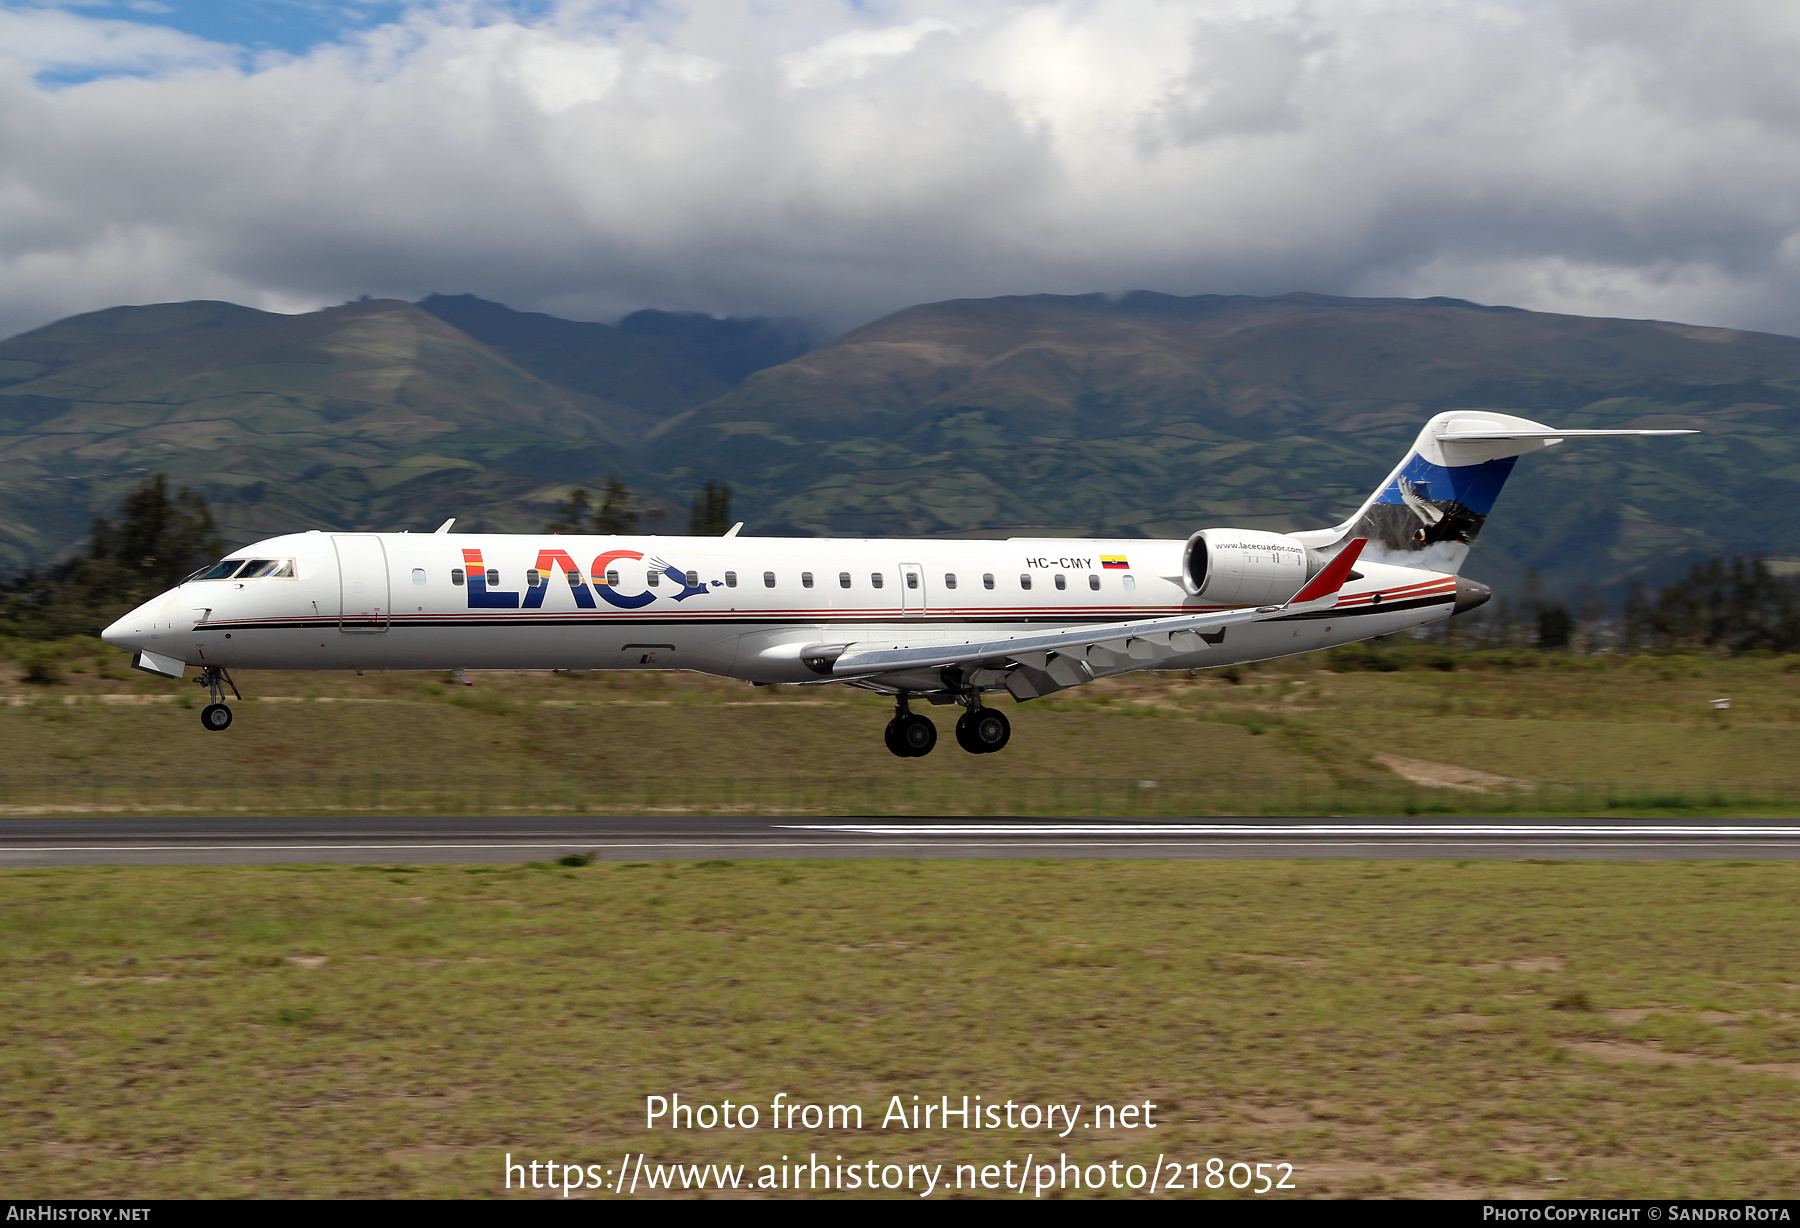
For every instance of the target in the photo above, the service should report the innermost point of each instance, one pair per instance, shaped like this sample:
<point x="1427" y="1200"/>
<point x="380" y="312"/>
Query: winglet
<point x="1332" y="577"/>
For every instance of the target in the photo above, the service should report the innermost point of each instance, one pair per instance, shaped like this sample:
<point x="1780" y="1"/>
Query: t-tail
<point x="1435" y="502"/>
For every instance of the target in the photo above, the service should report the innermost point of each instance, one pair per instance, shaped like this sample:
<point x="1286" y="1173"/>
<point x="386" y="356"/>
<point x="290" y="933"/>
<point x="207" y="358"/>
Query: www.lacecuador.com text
<point x="1034" y="1174"/>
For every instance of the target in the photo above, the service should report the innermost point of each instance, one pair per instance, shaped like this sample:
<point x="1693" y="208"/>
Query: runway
<point x="82" y="841"/>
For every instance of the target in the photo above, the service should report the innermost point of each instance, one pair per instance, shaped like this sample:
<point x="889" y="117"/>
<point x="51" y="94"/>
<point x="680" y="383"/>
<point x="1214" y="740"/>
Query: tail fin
<point x="1434" y="503"/>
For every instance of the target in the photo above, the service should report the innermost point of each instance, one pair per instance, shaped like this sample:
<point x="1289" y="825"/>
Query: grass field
<point x="1566" y="1030"/>
<point x="1500" y="733"/>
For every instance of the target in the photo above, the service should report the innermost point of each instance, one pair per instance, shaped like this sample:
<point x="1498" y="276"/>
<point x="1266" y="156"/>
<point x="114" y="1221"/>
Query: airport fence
<point x="492" y="793"/>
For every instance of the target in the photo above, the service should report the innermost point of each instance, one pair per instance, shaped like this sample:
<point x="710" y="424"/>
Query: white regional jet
<point x="946" y="621"/>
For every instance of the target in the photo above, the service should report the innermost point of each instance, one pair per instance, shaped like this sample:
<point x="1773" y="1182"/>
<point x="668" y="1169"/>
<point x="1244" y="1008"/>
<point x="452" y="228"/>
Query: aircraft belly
<point x="710" y="649"/>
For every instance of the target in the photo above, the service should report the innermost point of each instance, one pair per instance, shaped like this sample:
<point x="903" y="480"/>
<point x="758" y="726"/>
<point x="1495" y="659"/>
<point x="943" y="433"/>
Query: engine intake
<point x="1245" y="566"/>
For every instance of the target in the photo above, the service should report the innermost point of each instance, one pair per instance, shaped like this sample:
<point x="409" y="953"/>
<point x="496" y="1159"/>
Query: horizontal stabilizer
<point x="1484" y="436"/>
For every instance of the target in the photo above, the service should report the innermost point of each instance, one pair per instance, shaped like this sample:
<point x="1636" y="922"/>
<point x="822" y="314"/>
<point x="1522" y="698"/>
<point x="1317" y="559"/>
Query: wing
<point x="1063" y="655"/>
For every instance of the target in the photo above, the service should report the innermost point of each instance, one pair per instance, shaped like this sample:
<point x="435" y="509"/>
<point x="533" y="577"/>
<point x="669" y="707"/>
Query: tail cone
<point x="1469" y="594"/>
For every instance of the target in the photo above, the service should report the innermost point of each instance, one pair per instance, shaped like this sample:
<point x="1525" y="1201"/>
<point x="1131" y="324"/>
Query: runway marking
<point x="1287" y="832"/>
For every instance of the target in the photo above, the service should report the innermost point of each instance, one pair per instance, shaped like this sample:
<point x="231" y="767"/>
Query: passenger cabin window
<point x="987" y="580"/>
<point x="1062" y="582"/>
<point x="912" y="579"/>
<point x="533" y="577"/>
<point x="418" y="575"/>
<point x="654" y="578"/>
<point x="493" y="577"/>
<point x="456" y="576"/>
<point x="768" y="579"/>
<point x="843" y="579"/>
<point x="875" y="579"/>
<point x="1094" y="580"/>
<point x="573" y="577"/>
<point x="1025" y="582"/>
<point x="731" y="579"/>
<point x="1131" y="584"/>
<point x="693" y="579"/>
<point x="612" y="578"/>
<point x="949" y="579"/>
<point x="806" y="579"/>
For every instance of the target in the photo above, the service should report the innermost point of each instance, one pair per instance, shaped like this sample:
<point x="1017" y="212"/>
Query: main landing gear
<point x="909" y="735"/>
<point x="216" y="717"/>
<point x="980" y="731"/>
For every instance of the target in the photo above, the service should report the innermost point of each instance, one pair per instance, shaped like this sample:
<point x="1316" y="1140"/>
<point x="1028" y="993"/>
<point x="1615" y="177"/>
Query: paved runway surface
<point x="79" y="840"/>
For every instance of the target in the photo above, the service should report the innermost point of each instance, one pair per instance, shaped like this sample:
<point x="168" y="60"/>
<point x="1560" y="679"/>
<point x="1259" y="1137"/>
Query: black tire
<point x="215" y="717"/>
<point x="891" y="735"/>
<point x="988" y="731"/>
<point x="916" y="735"/>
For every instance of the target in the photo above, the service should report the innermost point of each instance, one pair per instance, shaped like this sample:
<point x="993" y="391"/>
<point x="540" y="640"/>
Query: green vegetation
<point x="1387" y="728"/>
<point x="1592" y="1030"/>
<point x="157" y="542"/>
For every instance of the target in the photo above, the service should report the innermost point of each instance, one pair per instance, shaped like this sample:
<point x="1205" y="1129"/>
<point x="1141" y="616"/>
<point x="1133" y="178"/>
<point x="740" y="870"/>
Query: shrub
<point x="42" y="663"/>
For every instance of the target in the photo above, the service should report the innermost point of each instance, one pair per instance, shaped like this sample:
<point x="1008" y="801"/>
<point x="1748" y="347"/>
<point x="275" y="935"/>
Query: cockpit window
<point x="248" y="569"/>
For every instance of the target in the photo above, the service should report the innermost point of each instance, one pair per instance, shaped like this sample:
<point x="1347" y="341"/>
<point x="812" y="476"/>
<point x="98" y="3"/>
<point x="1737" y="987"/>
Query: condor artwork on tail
<point x="948" y="622"/>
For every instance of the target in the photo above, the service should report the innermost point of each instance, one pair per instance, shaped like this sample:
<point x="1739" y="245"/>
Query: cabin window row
<point x="535" y="579"/>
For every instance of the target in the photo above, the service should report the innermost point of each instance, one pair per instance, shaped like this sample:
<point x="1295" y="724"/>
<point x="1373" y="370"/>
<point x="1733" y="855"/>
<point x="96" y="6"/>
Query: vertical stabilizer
<point x="1435" y="502"/>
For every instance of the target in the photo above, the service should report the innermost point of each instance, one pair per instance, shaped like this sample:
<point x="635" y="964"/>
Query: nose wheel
<point x="216" y="717"/>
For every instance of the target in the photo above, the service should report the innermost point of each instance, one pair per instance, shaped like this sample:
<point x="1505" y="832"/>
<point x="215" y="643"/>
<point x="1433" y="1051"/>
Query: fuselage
<point x="738" y="607"/>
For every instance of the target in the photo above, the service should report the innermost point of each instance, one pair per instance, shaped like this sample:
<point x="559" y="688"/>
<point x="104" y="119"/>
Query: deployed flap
<point x="1142" y="640"/>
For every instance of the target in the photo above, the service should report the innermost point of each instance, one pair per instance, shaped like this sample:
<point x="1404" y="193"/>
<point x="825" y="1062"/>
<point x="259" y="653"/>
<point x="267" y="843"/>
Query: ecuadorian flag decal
<point x="1115" y="562"/>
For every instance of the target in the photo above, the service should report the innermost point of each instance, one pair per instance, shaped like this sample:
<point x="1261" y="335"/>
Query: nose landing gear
<point x="216" y="717"/>
<point x="909" y="735"/>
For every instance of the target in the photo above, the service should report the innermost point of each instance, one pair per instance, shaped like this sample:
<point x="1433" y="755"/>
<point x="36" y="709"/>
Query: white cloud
<point x="838" y="160"/>
<point x="54" y="40"/>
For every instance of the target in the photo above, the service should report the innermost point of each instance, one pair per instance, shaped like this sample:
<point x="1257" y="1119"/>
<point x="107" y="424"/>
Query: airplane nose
<point x="133" y="631"/>
<point x="122" y="634"/>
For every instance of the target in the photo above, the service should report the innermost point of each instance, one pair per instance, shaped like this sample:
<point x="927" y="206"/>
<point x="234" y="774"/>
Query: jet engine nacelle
<point x="1244" y="567"/>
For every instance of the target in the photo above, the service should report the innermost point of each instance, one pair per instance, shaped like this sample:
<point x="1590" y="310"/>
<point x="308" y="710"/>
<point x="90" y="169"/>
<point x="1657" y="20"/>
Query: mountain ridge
<point x="1133" y="414"/>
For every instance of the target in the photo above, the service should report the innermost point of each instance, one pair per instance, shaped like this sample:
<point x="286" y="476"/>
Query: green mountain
<point x="1157" y="415"/>
<point x="1143" y="414"/>
<point x="370" y="415"/>
<point x="660" y="362"/>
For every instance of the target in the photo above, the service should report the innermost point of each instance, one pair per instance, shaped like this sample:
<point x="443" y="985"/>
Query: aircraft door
<point x="362" y="583"/>
<point x="912" y="589"/>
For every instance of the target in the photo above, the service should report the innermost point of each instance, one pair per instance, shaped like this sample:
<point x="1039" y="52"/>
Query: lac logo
<point x="582" y="586"/>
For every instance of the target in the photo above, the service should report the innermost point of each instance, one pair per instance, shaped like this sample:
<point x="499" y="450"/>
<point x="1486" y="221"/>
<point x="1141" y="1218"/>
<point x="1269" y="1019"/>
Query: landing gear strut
<point x="216" y="717"/>
<point x="982" y="731"/>
<point x="909" y="735"/>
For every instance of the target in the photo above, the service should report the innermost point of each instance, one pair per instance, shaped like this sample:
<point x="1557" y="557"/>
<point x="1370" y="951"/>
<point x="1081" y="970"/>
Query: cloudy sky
<point x="838" y="160"/>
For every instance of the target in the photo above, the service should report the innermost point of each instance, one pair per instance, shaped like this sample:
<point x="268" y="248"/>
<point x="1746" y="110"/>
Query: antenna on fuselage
<point x="445" y="527"/>
<point x="733" y="530"/>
